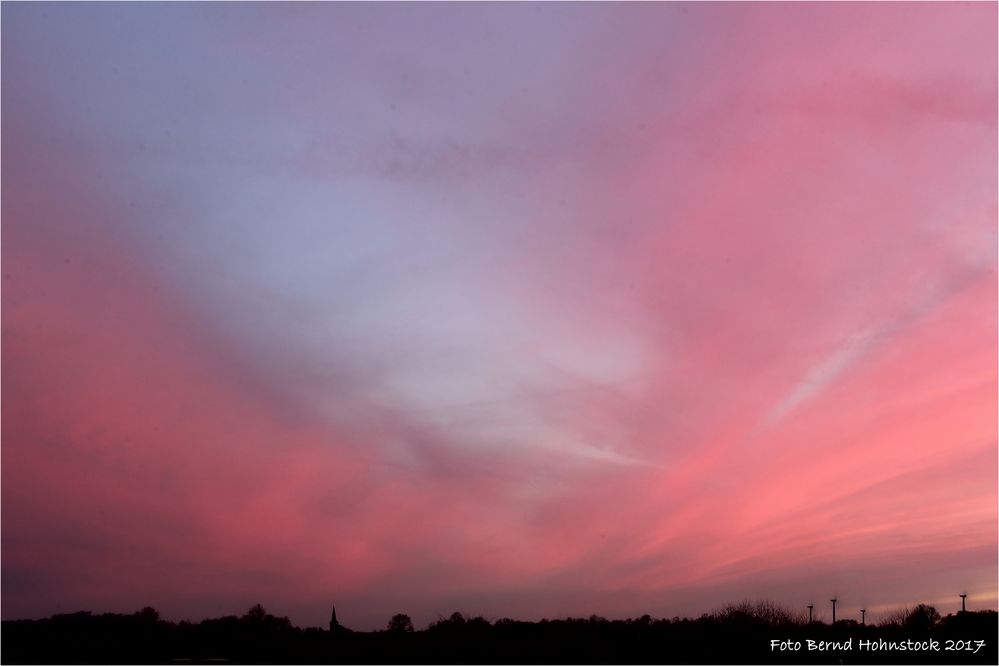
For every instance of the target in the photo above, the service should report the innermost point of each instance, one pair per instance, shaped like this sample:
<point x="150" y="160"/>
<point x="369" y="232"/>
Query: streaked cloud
<point x="513" y="309"/>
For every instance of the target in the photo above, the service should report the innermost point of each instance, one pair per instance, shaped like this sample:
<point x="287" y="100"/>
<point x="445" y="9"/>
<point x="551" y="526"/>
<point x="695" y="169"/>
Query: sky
<point x="516" y="310"/>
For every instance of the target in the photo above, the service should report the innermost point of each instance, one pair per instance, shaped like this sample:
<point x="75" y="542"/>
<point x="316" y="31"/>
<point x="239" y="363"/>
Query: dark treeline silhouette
<point x="737" y="634"/>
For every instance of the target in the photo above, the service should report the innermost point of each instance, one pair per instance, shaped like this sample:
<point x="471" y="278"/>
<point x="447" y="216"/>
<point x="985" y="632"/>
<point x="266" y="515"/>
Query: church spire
<point x="334" y="625"/>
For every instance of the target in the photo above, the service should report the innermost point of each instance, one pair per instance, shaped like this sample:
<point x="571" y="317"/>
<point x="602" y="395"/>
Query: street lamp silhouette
<point x="963" y="597"/>
<point x="834" y="610"/>
<point x="810" y="607"/>
<point x="863" y="616"/>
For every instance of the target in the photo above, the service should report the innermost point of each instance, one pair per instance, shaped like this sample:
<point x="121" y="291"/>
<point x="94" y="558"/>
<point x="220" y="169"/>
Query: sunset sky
<point x="523" y="310"/>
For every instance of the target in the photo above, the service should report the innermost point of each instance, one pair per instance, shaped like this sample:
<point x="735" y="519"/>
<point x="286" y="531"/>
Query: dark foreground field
<point x="735" y="635"/>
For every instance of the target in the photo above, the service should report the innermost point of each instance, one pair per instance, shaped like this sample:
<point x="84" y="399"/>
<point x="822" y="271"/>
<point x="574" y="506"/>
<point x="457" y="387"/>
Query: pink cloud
<point x="692" y="319"/>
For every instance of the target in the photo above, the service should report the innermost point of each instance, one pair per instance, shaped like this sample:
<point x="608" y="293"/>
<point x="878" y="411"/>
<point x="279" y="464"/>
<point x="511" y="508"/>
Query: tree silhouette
<point x="922" y="618"/>
<point x="257" y="613"/>
<point x="400" y="622"/>
<point x="736" y="634"/>
<point x="148" y="614"/>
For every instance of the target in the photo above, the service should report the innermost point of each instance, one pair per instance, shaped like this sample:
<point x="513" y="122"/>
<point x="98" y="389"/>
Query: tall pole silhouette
<point x="810" y="607"/>
<point x="963" y="596"/>
<point x="863" y="616"/>
<point x="834" y="610"/>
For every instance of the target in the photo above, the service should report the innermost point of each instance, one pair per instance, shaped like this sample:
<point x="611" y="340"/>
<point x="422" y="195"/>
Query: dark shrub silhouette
<point x="895" y="618"/>
<point x="758" y="613"/>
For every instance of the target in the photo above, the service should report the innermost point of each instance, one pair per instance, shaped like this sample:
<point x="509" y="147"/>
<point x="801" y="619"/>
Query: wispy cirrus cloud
<point x="430" y="307"/>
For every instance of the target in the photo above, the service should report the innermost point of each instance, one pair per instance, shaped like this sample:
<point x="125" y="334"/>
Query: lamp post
<point x="863" y="616"/>
<point x="963" y="596"/>
<point x="810" y="607"/>
<point x="834" y="610"/>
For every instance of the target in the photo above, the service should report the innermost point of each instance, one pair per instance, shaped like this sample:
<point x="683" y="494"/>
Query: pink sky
<point x="517" y="310"/>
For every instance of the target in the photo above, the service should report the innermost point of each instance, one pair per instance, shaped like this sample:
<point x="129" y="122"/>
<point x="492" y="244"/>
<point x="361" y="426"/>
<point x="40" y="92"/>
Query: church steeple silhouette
<point x="334" y="625"/>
